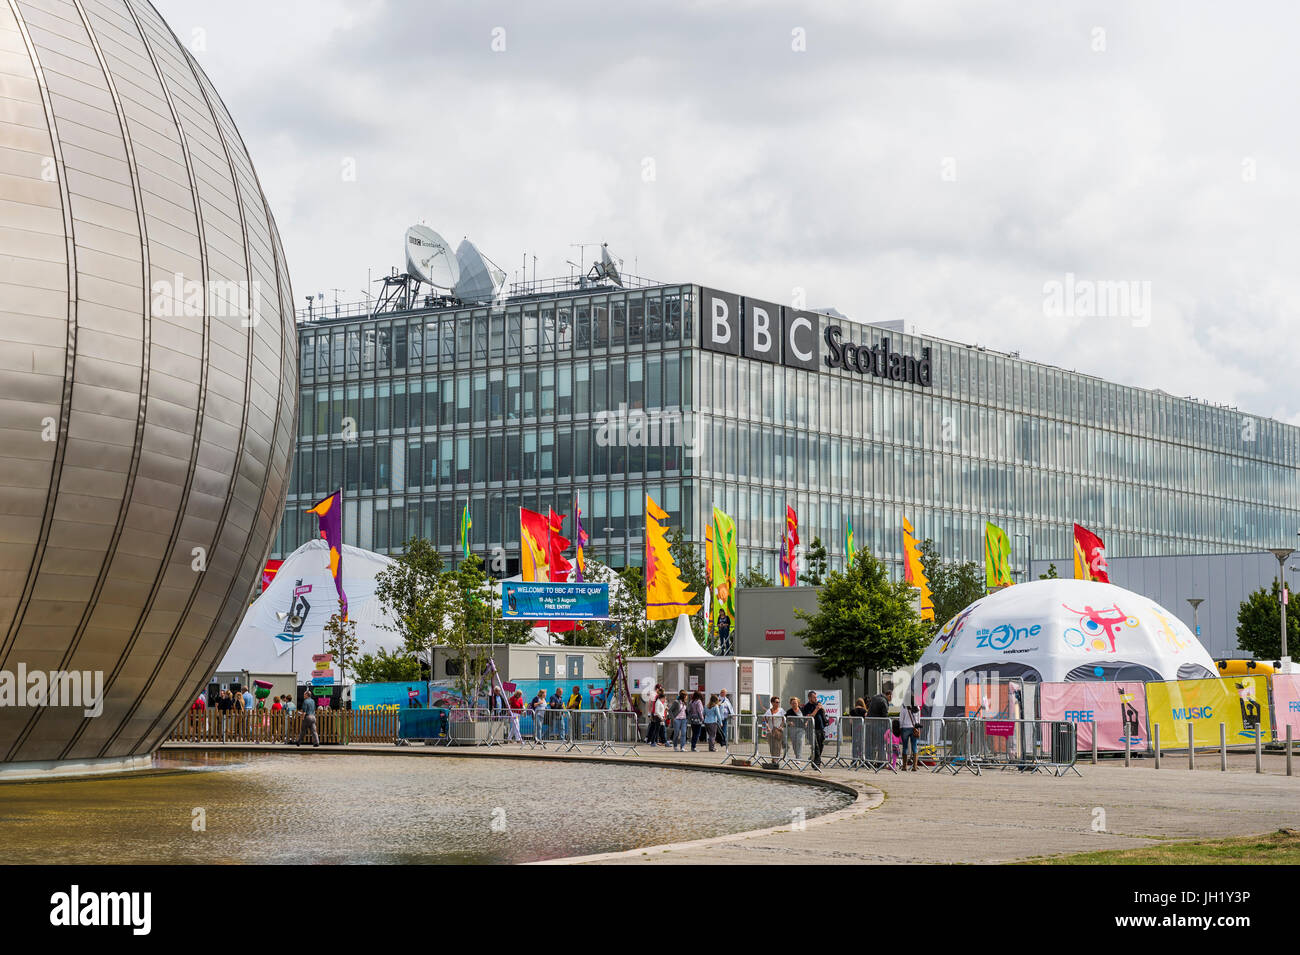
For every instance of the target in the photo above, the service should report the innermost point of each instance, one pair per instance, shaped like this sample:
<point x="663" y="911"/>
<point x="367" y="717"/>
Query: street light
<point x="1282" y="553"/>
<point x="609" y="547"/>
<point x="1029" y="553"/>
<point x="1196" y="614"/>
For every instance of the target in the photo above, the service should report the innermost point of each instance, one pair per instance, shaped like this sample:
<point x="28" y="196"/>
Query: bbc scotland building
<point x="699" y="397"/>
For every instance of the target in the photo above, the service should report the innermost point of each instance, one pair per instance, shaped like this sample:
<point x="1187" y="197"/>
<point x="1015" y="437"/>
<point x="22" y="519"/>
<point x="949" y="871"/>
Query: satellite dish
<point x="429" y="258"/>
<point x="480" y="280"/>
<point x="607" y="268"/>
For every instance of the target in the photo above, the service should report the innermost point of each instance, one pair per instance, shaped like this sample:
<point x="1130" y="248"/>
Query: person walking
<point x="909" y="728"/>
<point x="774" y="723"/>
<point x="677" y="716"/>
<point x="658" y="715"/>
<point x="814" y="710"/>
<point x="308" y="721"/>
<point x="712" y="719"/>
<point x="695" y="717"/>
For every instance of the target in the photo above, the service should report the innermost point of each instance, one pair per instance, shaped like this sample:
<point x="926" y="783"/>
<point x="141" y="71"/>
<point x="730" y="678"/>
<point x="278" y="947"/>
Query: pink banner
<point x="1117" y="710"/>
<point x="1286" y="705"/>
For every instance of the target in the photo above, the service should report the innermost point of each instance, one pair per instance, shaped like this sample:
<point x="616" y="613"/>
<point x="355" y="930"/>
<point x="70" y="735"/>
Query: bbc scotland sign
<point x="554" y="601"/>
<point x="762" y="331"/>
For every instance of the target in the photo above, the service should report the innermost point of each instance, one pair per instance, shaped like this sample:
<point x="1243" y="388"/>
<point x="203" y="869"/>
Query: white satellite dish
<point x="429" y="258"/>
<point x="607" y="269"/>
<point x="480" y="280"/>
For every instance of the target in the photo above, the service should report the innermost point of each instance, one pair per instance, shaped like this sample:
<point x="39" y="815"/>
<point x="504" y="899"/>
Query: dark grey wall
<point x="763" y="608"/>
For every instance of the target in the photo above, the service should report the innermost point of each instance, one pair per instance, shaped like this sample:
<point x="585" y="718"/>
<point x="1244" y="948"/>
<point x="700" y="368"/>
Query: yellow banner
<point x="1241" y="703"/>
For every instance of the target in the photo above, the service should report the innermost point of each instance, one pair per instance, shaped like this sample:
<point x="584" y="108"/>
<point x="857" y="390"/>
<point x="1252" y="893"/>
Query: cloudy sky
<point x="940" y="163"/>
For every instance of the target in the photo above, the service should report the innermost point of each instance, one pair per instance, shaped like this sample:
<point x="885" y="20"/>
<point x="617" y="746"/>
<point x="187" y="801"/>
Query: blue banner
<point x="558" y="601"/>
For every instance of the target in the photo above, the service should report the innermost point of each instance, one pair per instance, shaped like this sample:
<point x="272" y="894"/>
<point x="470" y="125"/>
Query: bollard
<point x="1223" y="747"/>
<point x="1155" y="743"/>
<point x="1191" y="746"/>
<point x="1259" y="749"/>
<point x="1288" y="749"/>
<point x="1127" y="748"/>
<point x="1094" y="744"/>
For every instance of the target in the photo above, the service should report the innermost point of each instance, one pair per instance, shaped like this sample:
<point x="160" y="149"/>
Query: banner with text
<point x="554" y="601"/>
<point x="1239" y="702"/>
<point x="1116" y="711"/>
<point x="1286" y="704"/>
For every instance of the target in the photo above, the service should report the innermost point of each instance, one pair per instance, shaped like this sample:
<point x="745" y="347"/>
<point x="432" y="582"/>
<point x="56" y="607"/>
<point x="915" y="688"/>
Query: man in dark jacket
<point x="814" y="709"/>
<point x="308" y="720"/>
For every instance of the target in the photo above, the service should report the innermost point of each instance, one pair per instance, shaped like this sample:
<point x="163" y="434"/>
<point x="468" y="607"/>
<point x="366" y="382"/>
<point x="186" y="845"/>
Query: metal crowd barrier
<point x="1027" y="745"/>
<point x="944" y="743"/>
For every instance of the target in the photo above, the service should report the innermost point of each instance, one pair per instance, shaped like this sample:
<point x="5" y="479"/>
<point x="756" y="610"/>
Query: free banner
<point x="1240" y="703"/>
<point x="1286" y="704"/>
<point x="1116" y="711"/>
<point x="554" y="601"/>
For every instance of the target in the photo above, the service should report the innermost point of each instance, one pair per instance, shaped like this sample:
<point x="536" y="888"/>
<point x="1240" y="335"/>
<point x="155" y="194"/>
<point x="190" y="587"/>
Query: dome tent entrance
<point x="1056" y="631"/>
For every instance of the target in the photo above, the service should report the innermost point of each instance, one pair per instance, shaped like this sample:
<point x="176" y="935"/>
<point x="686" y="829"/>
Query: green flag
<point x="465" y="525"/>
<point x="848" y="541"/>
<point x="997" y="557"/>
<point x="725" y="558"/>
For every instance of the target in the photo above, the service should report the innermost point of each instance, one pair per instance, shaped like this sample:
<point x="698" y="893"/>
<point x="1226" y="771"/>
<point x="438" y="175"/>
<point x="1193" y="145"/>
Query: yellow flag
<point x="666" y="597"/>
<point x="997" y="557"/>
<point x="914" y="570"/>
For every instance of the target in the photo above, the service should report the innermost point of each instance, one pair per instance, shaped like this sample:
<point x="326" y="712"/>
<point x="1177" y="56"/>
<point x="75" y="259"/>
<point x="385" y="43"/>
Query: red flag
<point x="1089" y="556"/>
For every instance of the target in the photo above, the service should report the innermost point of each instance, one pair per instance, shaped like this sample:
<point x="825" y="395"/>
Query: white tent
<point x="303" y="591"/>
<point x="683" y="645"/>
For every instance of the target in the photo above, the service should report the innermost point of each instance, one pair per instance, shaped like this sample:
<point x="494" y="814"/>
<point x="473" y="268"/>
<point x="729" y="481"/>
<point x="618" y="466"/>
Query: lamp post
<point x="1196" y="614"/>
<point x="1029" y="553"/>
<point x="1282" y="553"/>
<point x="609" y="546"/>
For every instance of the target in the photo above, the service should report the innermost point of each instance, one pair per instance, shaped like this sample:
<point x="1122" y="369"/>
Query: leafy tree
<point x="412" y="590"/>
<point x="383" y="667"/>
<point x="1259" y="623"/>
<point x="1051" y="573"/>
<point x="863" y="621"/>
<point x="754" y="577"/>
<point x="815" y="562"/>
<point x="953" y="585"/>
<point x="341" y="641"/>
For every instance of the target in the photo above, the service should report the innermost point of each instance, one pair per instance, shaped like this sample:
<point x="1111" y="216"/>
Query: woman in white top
<point x="909" y="729"/>
<point x="775" y="723"/>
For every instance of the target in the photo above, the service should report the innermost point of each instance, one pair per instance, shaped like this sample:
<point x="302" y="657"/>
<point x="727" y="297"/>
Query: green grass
<point x="1275" y="848"/>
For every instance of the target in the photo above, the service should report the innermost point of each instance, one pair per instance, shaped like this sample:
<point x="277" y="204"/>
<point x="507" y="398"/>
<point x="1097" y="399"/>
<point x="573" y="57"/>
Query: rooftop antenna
<point x="481" y="279"/>
<point x="606" y="269"/>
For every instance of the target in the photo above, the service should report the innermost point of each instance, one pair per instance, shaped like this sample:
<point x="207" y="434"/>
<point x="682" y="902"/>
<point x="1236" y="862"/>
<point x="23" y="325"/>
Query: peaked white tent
<point x="303" y="591"/>
<point x="683" y="646"/>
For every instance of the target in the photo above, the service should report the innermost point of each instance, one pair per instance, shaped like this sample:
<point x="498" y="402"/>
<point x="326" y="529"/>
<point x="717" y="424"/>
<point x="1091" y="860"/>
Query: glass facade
<point x="608" y="393"/>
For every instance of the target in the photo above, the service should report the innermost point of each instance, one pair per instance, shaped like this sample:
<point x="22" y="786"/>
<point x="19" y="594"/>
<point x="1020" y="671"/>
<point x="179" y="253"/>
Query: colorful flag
<point x="556" y="544"/>
<point x="997" y="557"/>
<point x="789" y="556"/>
<point x="666" y="596"/>
<point x="329" y="514"/>
<point x="708" y="578"/>
<point x="725" y="558"/>
<point x="534" y="548"/>
<point x="580" y="557"/>
<point x="848" y="542"/>
<point x="1089" y="556"/>
<point x="465" y="525"/>
<point x="914" y="570"/>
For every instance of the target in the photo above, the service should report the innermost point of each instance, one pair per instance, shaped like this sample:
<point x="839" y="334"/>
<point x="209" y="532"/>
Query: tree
<point x="953" y="586"/>
<point x="412" y="590"/>
<point x="1051" y="573"/>
<point x="341" y="641"/>
<point x="754" y="577"/>
<point x="1259" y="624"/>
<point x="383" y="667"/>
<point x="815" y="560"/>
<point x="863" y="621"/>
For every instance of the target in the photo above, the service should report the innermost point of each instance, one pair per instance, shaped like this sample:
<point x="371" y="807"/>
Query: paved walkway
<point x="995" y="817"/>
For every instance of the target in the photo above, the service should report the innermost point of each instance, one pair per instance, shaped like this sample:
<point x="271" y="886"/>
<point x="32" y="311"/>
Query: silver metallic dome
<point x="148" y="374"/>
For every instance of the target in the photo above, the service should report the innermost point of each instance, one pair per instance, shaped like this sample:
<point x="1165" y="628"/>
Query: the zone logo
<point x="1004" y="635"/>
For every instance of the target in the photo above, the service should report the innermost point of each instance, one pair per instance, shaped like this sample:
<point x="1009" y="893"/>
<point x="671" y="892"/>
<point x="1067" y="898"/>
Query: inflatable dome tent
<point x="1054" y="631"/>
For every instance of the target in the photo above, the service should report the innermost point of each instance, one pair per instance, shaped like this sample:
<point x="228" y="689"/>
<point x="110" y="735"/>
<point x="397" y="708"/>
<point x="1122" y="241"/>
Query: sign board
<point x="999" y="728"/>
<point x="773" y="634"/>
<point x="746" y="676"/>
<point x="300" y="590"/>
<point x="554" y="601"/>
<point x="319" y="658"/>
<point x="831" y="701"/>
<point x="1240" y="702"/>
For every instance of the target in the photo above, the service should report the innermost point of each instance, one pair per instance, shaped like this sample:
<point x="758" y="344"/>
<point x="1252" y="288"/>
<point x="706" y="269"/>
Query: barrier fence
<point x="264" y="726"/>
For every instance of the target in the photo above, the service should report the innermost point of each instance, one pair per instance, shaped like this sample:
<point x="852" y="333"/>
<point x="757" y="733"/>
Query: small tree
<point x="1051" y="573"/>
<point x="411" y="590"/>
<point x="815" y="562"/>
<point x="383" y="667"/>
<point x="863" y="621"/>
<point x="1259" y="623"/>
<point x="341" y="641"/>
